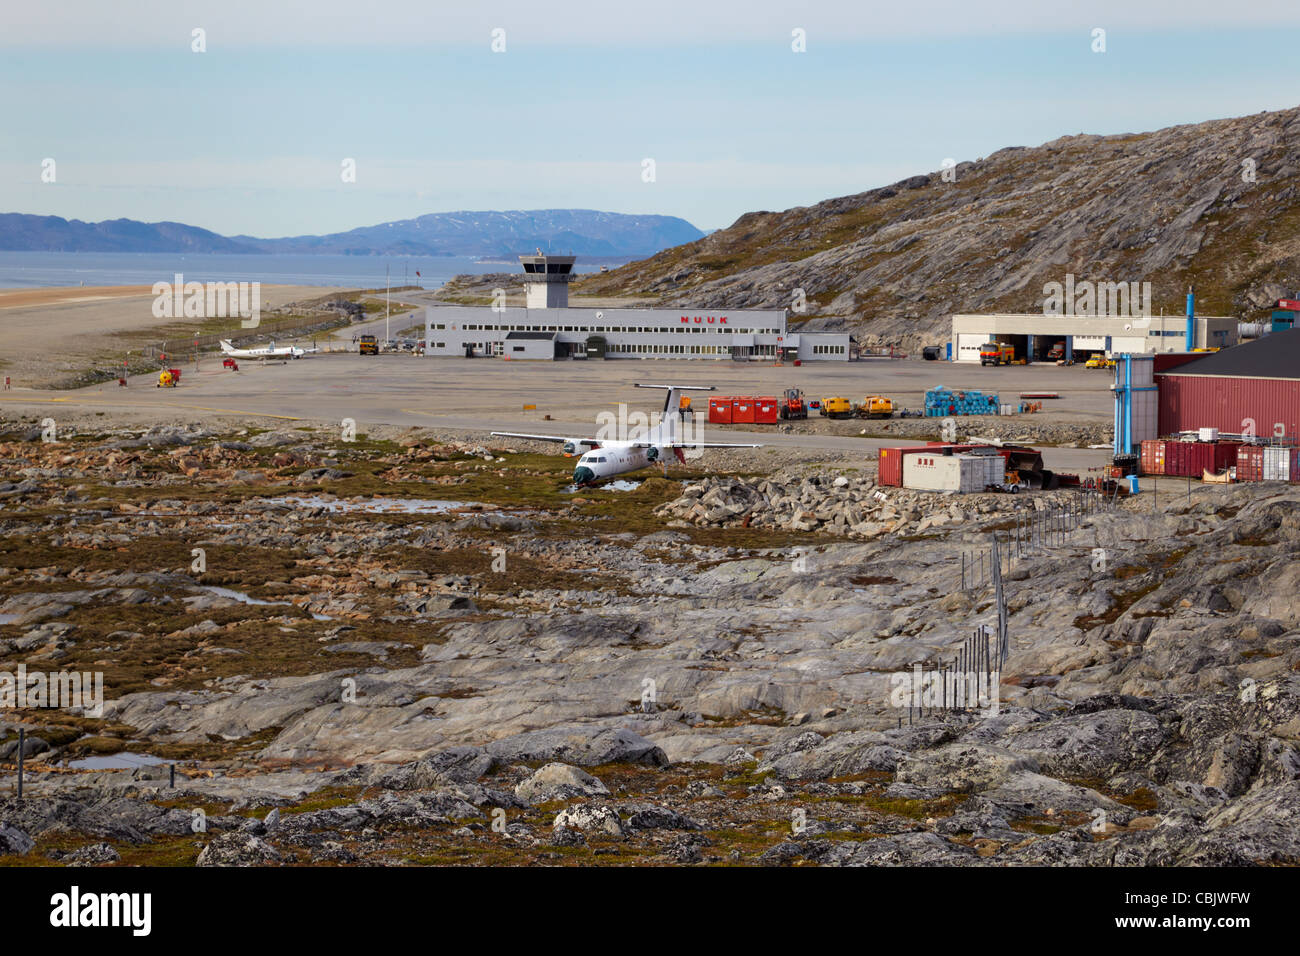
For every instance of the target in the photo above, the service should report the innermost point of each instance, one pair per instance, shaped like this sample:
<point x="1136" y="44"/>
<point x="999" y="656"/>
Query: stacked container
<point x="1277" y="463"/>
<point x="742" y="411"/>
<point x="1250" y="463"/>
<point x="766" y="410"/>
<point x="719" y="411"/>
<point x="1191" y="459"/>
<point x="928" y="471"/>
<point x="1153" y="456"/>
<point x="890" y="466"/>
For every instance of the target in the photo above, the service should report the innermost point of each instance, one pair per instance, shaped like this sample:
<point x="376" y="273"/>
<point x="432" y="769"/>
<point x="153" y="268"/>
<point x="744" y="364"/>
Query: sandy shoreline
<point x="48" y="335"/>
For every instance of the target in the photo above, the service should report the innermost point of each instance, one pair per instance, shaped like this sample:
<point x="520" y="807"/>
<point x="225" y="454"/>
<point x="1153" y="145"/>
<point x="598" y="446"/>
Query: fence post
<point x="22" y="746"/>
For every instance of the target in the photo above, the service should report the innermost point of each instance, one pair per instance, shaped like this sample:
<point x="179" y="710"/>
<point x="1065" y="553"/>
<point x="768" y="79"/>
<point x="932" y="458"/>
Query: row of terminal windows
<point x="618" y="348"/>
<point x="828" y="349"/>
<point x="441" y="326"/>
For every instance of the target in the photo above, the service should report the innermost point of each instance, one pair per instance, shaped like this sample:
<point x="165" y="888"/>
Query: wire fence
<point x="1031" y="530"/>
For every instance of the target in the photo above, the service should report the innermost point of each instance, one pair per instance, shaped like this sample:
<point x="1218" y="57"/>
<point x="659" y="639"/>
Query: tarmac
<point x="486" y="394"/>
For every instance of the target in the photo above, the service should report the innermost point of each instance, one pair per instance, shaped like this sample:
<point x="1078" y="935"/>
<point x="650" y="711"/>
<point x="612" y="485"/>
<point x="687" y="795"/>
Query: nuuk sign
<point x="710" y="319"/>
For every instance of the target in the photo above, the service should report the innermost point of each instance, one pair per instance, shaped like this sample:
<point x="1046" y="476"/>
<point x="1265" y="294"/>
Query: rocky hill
<point x="1175" y="207"/>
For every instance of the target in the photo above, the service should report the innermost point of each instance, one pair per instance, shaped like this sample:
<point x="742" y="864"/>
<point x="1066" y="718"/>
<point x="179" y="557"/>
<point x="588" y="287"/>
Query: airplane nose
<point x="583" y="475"/>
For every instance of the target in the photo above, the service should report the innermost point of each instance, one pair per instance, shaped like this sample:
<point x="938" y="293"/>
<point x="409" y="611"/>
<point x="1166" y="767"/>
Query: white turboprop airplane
<point x="606" y="458"/>
<point x="264" y="351"/>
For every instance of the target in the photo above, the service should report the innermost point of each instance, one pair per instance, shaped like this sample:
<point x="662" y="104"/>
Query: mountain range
<point x="584" y="232"/>
<point x="1214" y="206"/>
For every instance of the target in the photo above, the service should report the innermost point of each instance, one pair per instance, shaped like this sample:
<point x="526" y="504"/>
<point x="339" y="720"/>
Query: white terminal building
<point x="1034" y="335"/>
<point x="547" y="328"/>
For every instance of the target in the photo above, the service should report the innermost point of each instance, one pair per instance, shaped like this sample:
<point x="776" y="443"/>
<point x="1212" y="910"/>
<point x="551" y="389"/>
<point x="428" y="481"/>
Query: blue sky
<point x="249" y="136"/>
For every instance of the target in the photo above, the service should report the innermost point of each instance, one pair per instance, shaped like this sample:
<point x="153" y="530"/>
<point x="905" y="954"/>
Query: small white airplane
<point x="265" y="351"/>
<point x="605" y="458"/>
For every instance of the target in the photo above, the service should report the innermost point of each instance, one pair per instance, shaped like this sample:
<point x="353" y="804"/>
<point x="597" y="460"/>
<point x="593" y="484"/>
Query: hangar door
<point x="968" y="346"/>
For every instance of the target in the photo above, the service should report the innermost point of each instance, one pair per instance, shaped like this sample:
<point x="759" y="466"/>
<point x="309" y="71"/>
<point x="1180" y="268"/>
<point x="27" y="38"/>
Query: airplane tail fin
<point x="670" y="420"/>
<point x="226" y="346"/>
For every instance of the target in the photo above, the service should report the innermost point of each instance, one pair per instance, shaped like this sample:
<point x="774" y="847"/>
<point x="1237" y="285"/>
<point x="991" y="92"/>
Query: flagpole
<point x="388" y="285"/>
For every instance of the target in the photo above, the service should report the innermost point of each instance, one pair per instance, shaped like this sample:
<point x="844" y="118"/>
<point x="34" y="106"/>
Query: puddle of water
<point x="619" y="484"/>
<point x="122" y="761"/>
<point x="428" y="506"/>
<point x="243" y="598"/>
<point x="239" y="596"/>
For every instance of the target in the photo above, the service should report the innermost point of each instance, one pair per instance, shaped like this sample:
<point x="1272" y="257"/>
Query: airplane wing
<point x="691" y="444"/>
<point x="577" y="441"/>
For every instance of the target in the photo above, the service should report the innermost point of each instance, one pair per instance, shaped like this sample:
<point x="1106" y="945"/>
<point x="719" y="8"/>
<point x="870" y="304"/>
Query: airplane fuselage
<point x="615" y="458"/>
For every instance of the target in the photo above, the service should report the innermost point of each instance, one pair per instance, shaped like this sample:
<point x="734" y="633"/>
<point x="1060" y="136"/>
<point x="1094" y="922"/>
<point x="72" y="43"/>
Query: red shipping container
<point x="1250" y="463"/>
<point x="889" y="466"/>
<point x="1225" y="455"/>
<point x="742" y="411"/>
<point x="1202" y="459"/>
<point x="766" y="410"/>
<point x="1175" y="458"/>
<point x="1153" y="456"/>
<point x="719" y="411"/>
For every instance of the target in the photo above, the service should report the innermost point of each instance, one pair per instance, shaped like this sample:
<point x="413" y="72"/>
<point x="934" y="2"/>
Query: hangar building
<point x="1034" y="334"/>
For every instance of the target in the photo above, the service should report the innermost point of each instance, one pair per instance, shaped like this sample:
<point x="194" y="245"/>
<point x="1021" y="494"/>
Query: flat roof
<point x="1276" y="355"/>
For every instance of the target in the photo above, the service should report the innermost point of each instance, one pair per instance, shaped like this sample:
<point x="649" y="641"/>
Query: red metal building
<point x="1251" y="387"/>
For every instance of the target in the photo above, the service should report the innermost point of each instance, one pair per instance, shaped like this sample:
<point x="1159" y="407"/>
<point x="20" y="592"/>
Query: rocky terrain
<point x="1213" y="205"/>
<point x="409" y="650"/>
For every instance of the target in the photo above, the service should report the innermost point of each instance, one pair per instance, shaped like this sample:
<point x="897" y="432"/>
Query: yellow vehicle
<point x="166" y="379"/>
<point x="876" y="406"/>
<point x="837" y="407"/>
<point x="369" y="345"/>
<point x="1204" y="349"/>
<point x="993" y="353"/>
<point x="1099" y="361"/>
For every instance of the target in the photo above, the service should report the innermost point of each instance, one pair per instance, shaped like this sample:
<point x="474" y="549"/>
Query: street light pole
<point x="388" y="285"/>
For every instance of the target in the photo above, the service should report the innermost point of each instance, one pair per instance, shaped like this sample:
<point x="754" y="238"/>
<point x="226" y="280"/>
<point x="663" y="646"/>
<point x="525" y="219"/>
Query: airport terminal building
<point x="546" y="328"/>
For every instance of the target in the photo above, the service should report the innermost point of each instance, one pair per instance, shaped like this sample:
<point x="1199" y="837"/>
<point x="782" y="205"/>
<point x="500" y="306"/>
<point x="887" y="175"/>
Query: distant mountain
<point x="23" y="233"/>
<point x="581" y="231"/>
<point x="586" y="232"/>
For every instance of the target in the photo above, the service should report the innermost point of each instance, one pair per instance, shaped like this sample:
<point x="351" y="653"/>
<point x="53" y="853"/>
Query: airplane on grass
<point x="266" y="351"/>
<point x="607" y="458"/>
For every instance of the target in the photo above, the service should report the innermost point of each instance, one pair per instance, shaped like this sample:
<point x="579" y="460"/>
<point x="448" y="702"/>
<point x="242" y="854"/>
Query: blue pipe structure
<point x="1191" y="320"/>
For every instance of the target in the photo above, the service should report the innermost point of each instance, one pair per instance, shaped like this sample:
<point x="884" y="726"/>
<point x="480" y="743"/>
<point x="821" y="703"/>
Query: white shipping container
<point x="935" y="471"/>
<point x="1207" y="434"/>
<point x="995" y="470"/>
<point x="1277" y="463"/>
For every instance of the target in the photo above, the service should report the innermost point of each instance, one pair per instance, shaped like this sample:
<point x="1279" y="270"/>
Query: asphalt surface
<point x="490" y="394"/>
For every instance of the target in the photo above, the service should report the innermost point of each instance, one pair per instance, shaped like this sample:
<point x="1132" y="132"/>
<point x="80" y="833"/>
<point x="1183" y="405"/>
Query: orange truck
<point x="992" y="353"/>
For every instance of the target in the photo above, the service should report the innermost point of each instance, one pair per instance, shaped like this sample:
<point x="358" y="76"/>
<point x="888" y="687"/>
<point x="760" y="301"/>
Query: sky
<point x="252" y="134"/>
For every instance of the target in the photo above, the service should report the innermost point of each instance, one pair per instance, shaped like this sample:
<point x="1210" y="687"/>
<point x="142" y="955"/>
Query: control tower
<point x="547" y="279"/>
